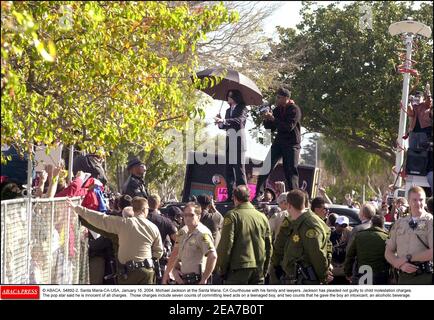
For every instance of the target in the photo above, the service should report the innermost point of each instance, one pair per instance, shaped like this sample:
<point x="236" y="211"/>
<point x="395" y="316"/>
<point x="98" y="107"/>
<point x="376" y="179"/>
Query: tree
<point x="308" y="155"/>
<point x="347" y="85"/>
<point x="352" y="168"/>
<point x="114" y="72"/>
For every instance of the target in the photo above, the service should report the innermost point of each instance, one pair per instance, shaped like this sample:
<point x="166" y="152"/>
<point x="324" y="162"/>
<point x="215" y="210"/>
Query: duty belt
<point x="134" y="265"/>
<point x="423" y="267"/>
<point x="191" y="278"/>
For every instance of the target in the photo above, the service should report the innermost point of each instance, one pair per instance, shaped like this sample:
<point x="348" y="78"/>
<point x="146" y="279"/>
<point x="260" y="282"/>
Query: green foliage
<point x="353" y="168"/>
<point x="347" y="85"/>
<point x="99" y="73"/>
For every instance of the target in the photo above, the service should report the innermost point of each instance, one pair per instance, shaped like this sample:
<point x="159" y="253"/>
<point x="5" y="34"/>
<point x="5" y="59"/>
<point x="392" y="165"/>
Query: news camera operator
<point x="285" y="119"/>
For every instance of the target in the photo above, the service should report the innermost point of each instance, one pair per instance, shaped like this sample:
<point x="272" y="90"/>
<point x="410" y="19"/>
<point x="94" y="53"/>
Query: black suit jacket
<point x="236" y="122"/>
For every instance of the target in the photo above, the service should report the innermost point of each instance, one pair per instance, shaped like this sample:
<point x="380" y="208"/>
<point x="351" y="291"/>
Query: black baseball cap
<point x="132" y="162"/>
<point x="284" y="92"/>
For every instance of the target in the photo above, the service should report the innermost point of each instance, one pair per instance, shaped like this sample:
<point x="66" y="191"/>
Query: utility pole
<point x="409" y="29"/>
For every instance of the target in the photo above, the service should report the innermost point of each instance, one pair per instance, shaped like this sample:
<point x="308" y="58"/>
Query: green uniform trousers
<point x="244" y="276"/>
<point x="413" y="278"/>
<point x="138" y="276"/>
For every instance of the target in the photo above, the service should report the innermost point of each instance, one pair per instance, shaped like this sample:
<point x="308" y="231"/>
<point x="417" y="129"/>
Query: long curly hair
<point x="236" y="96"/>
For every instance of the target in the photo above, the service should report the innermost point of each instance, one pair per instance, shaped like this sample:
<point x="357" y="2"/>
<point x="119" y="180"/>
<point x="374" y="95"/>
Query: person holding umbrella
<point x="285" y="118"/>
<point x="234" y="123"/>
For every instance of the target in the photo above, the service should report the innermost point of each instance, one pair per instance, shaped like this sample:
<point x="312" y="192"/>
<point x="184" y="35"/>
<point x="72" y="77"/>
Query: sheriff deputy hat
<point x="132" y="162"/>
<point x="342" y="220"/>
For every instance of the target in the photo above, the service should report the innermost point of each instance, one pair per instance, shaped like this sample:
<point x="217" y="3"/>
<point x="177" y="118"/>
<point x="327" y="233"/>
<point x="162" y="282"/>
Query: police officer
<point x="135" y="185"/>
<point x="194" y="250"/>
<point x="139" y="240"/>
<point x="368" y="247"/>
<point x="410" y="246"/>
<point x="305" y="240"/>
<point x="245" y="246"/>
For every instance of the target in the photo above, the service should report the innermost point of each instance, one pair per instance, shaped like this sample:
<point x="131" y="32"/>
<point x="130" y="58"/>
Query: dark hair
<point x="204" y="200"/>
<point x="317" y="202"/>
<point x="332" y="218"/>
<point x="124" y="201"/>
<point x="296" y="198"/>
<point x="377" y="221"/>
<point x="284" y="92"/>
<point x="173" y="212"/>
<point x="236" y="96"/>
<point x="242" y="193"/>
<point x="429" y="205"/>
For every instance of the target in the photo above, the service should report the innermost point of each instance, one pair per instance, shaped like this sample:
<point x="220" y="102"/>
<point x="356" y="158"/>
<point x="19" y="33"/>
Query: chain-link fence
<point x="42" y="242"/>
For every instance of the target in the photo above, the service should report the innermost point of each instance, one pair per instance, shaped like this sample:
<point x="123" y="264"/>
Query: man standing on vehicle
<point x="285" y="118"/>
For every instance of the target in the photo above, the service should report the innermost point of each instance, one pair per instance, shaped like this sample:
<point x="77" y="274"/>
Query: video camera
<point x="264" y="107"/>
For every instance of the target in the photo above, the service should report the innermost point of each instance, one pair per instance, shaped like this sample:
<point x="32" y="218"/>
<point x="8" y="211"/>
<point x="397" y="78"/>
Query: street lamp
<point x="409" y="29"/>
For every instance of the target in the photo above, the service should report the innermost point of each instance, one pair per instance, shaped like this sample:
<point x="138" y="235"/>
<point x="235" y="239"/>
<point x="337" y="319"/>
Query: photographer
<point x="285" y="118"/>
<point x="420" y="113"/>
<point x="399" y="209"/>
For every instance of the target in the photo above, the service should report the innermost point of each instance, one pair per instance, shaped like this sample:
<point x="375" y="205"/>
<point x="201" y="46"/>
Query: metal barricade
<point x="44" y="246"/>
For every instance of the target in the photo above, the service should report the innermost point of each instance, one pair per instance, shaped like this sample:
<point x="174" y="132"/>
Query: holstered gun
<point x="113" y="275"/>
<point x="157" y="270"/>
<point x="305" y="273"/>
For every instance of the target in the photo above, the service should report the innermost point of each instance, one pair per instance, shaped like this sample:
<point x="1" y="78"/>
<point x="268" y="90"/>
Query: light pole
<point x="409" y="29"/>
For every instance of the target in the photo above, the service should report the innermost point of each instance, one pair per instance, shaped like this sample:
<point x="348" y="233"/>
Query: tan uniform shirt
<point x="403" y="240"/>
<point x="193" y="248"/>
<point x="276" y="220"/>
<point x="139" y="238"/>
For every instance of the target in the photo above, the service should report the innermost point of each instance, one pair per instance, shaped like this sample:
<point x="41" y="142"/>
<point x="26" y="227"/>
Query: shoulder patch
<point x="207" y="240"/>
<point x="227" y="221"/>
<point x="285" y="223"/>
<point x="311" y="233"/>
<point x="180" y="232"/>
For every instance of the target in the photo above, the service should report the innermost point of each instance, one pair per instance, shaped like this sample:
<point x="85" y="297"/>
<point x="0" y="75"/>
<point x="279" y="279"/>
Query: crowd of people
<point x="297" y="241"/>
